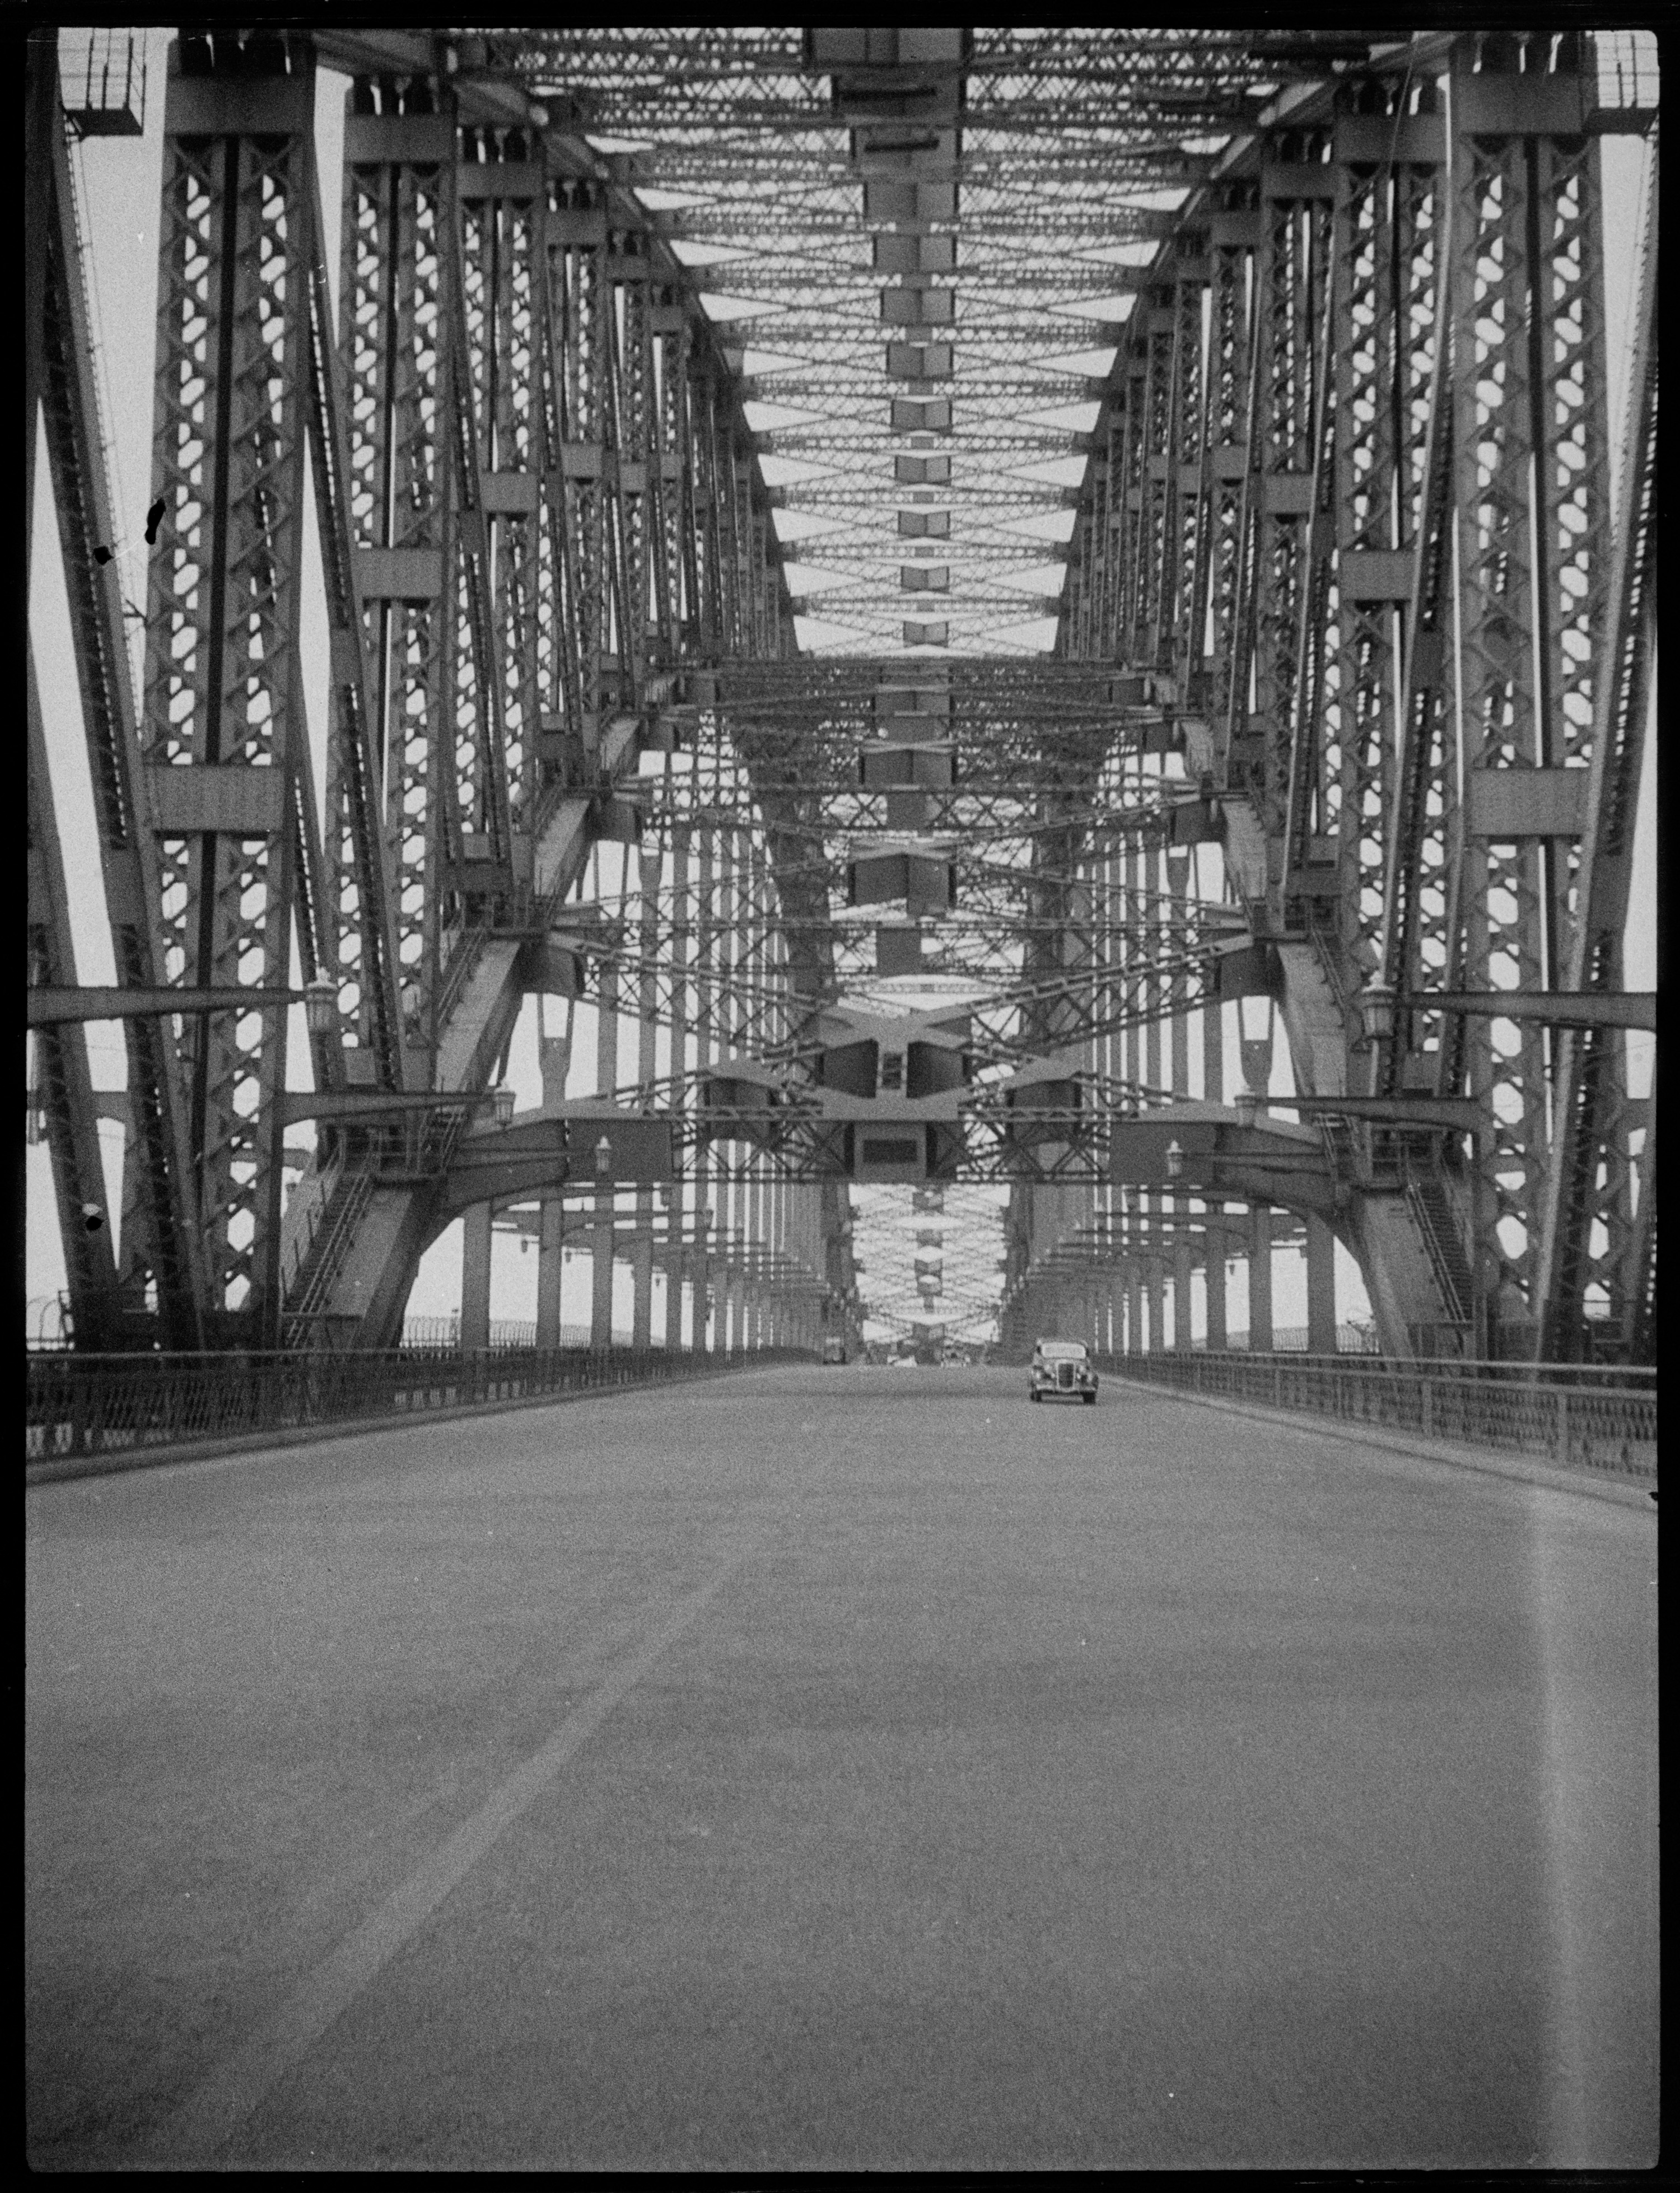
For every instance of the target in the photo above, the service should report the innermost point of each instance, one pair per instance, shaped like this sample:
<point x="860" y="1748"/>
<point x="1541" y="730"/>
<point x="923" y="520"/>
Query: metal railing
<point x="438" y="1332"/>
<point x="1293" y="1340"/>
<point x="86" y="1405"/>
<point x="306" y="1206"/>
<point x="1581" y="1416"/>
<point x="444" y="1332"/>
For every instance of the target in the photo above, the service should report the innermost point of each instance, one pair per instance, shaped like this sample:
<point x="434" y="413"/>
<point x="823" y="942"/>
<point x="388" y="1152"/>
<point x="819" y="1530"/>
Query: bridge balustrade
<point x="1602" y="1419"/>
<point x="80" y="1405"/>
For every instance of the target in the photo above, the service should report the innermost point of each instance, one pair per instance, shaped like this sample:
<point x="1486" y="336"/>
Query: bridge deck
<point x="841" y="1766"/>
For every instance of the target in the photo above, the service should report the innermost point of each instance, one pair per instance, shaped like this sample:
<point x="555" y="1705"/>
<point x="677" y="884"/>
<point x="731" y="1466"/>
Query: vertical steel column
<point x="1390" y="214"/>
<point x="1125" y="514"/>
<point x="1233" y="236"/>
<point x="554" y="1055"/>
<point x="650" y="866"/>
<point x="747" y="978"/>
<point x="601" y="1238"/>
<point x="550" y="1268"/>
<point x="677" y="1252"/>
<point x="478" y="822"/>
<point x="223" y="732"/>
<point x="1260" y="1279"/>
<point x="1587" y="1185"/>
<point x="1153" y="1204"/>
<point x="394" y="366"/>
<point x="1321" y="1286"/>
<point x="1082" y="958"/>
<point x="477" y="1238"/>
<point x="1182" y="607"/>
<point x="1132" y="1039"/>
<point x="159" y="1240"/>
<point x="758" y="1214"/>
<point x="773" y="1282"/>
<point x="501" y="199"/>
<point x="1256" y="1058"/>
<point x="1103" y="1063"/>
<point x="1297" y="190"/>
<point x="782" y="1277"/>
<point x="1179" y="1206"/>
<point x="732" y="904"/>
<point x="1533" y="557"/>
<point x="706" y="1168"/>
<point x="1214" y="1254"/>
<point x="63" y="1087"/>
<point x="580" y="304"/>
<point x="1155" y="551"/>
<point x="351" y="933"/>
<point x="1313" y="719"/>
<point x="1213" y="1236"/>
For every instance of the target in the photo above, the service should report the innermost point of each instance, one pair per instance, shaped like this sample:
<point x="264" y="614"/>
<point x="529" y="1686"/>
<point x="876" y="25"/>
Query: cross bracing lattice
<point x="937" y="588"/>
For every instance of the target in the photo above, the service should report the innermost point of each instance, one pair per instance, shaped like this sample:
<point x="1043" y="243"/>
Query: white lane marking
<point x="210" y="2117"/>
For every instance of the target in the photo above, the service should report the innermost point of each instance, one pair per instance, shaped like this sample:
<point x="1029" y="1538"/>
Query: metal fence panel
<point x="1579" y="1416"/>
<point x="81" y="1405"/>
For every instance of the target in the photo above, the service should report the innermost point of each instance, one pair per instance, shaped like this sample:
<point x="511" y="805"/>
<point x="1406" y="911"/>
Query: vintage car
<point x="1062" y="1369"/>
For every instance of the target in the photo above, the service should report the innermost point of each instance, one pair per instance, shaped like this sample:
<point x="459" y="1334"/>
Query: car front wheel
<point x="1089" y="1399"/>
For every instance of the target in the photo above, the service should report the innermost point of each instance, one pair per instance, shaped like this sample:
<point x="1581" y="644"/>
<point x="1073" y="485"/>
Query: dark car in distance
<point x="1062" y="1369"/>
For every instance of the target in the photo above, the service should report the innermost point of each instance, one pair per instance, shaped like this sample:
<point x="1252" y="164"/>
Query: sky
<point x="118" y="180"/>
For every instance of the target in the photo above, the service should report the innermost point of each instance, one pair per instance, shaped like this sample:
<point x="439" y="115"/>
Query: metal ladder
<point x="1426" y="1198"/>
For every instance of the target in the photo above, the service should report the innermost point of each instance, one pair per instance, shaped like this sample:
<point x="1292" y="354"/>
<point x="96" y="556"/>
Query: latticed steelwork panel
<point x="220" y="728"/>
<point x="159" y="1248"/>
<point x="1529" y="401"/>
<point x="964" y="265"/>
<point x="395" y="364"/>
<point x="1388" y="237"/>
<point x="1406" y="617"/>
<point x="1193" y="446"/>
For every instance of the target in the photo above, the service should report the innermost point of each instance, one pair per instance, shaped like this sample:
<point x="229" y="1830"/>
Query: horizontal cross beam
<point x="1622" y="1009"/>
<point x="51" y="1003"/>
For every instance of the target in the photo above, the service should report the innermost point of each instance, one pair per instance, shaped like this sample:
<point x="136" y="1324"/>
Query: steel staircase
<point x="1431" y="1210"/>
<point x="320" y="1267"/>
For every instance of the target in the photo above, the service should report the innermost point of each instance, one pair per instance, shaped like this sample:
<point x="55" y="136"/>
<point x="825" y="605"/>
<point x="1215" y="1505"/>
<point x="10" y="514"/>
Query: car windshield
<point x="1062" y="1351"/>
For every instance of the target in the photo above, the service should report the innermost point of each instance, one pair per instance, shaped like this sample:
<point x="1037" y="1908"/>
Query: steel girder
<point x="555" y="502"/>
<point x="227" y="754"/>
<point x="541" y="504"/>
<point x="1390" y="617"/>
<point x="61" y="1092"/>
<point x="533" y="488"/>
<point x="161" y="1258"/>
<point x="1528" y="418"/>
<point x="1603" y="1136"/>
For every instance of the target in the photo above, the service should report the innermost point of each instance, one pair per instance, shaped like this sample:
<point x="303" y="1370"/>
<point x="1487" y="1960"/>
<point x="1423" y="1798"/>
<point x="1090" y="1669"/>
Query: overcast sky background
<point x="119" y="181"/>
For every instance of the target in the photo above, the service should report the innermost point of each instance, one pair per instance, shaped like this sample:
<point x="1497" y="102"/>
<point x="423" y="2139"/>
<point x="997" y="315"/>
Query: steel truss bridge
<point x="946" y="585"/>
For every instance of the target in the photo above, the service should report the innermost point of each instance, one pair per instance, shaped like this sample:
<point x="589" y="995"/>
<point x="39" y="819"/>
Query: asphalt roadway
<point x="841" y="1768"/>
